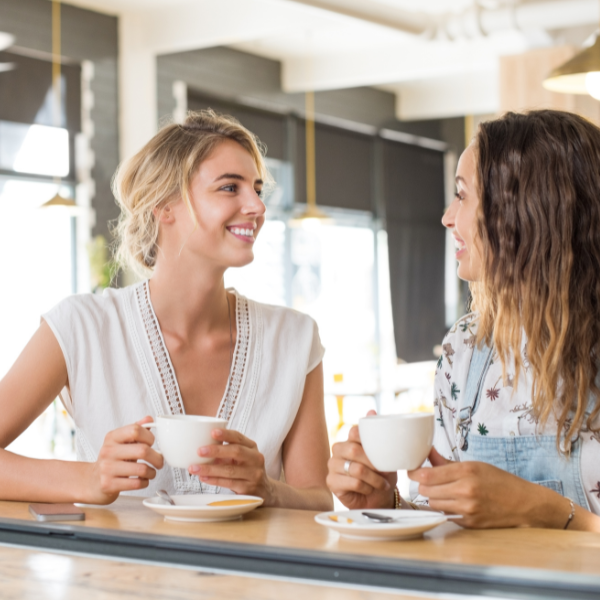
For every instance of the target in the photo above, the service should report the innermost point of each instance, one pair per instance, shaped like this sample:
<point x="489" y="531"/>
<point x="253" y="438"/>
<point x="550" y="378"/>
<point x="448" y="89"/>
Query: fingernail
<point x="218" y="432"/>
<point x="387" y="485"/>
<point x="195" y="469"/>
<point x="204" y="451"/>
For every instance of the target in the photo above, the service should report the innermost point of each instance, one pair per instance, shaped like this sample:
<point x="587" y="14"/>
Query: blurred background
<point x="364" y="107"/>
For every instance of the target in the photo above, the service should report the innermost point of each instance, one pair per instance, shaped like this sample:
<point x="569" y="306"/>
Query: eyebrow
<point x="236" y="176"/>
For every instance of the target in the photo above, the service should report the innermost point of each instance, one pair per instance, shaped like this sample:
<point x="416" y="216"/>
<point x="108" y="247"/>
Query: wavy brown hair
<point x="538" y="176"/>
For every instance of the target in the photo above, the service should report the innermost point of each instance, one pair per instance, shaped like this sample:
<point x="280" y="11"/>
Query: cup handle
<point x="149" y="426"/>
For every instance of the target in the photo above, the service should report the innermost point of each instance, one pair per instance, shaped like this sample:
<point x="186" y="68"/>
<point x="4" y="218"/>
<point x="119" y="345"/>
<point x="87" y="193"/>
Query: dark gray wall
<point x="86" y="35"/>
<point x="240" y="76"/>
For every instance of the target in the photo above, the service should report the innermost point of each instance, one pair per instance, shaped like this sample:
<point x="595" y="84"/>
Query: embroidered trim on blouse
<point x="185" y="482"/>
<point x="240" y="360"/>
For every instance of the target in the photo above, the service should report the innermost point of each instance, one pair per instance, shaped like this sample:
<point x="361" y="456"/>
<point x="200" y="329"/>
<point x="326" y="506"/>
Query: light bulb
<point x="592" y="84"/>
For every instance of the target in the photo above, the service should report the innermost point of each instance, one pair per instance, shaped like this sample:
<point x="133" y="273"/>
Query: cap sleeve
<point x="317" y="351"/>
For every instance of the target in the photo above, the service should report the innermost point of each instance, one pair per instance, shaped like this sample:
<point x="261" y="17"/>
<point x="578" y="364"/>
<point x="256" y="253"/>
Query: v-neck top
<point x="119" y="371"/>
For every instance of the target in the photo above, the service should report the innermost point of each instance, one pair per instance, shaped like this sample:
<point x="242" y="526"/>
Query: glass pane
<point x="36" y="248"/>
<point x="264" y="279"/>
<point x="36" y="149"/>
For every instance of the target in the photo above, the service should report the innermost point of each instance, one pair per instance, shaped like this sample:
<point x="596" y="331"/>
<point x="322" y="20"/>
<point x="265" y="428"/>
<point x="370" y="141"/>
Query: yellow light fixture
<point x="312" y="216"/>
<point x="57" y="199"/>
<point x="579" y="75"/>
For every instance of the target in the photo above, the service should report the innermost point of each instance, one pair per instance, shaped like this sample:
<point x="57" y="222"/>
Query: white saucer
<point x="194" y="508"/>
<point x="352" y="524"/>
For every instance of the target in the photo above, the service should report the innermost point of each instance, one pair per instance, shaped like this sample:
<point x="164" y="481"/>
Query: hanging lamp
<point x="313" y="215"/>
<point x="57" y="199"/>
<point x="579" y="75"/>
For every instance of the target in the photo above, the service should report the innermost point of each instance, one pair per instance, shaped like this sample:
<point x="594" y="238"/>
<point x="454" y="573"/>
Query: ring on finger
<point x="347" y="467"/>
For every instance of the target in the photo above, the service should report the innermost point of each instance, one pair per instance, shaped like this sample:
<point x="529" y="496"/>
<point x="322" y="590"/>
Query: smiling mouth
<point x="242" y="233"/>
<point x="459" y="245"/>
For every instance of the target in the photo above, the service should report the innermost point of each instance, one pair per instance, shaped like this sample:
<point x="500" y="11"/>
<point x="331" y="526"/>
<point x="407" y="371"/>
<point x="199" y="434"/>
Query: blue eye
<point x="259" y="193"/>
<point x="457" y="195"/>
<point x="232" y="187"/>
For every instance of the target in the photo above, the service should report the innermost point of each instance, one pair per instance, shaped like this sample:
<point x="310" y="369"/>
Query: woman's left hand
<point x="238" y="465"/>
<point x="488" y="497"/>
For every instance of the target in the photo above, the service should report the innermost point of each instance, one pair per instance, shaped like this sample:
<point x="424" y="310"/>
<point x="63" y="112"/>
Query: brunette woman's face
<point x="461" y="218"/>
<point x="225" y="195"/>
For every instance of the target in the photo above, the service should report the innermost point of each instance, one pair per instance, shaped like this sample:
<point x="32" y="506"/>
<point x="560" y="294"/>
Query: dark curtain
<point x="344" y="165"/>
<point x="414" y="200"/>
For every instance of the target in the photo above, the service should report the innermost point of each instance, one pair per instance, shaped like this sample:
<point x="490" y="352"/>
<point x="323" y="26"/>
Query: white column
<point x="137" y="87"/>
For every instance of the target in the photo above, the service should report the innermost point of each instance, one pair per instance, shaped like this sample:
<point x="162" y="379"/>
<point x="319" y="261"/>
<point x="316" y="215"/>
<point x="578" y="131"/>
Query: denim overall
<point x="534" y="458"/>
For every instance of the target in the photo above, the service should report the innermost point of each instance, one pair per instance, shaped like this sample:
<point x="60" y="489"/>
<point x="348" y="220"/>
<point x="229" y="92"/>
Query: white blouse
<point x="503" y="410"/>
<point x="119" y="371"/>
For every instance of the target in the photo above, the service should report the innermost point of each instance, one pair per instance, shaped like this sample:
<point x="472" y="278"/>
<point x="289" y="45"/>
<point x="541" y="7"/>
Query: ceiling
<point x="419" y="49"/>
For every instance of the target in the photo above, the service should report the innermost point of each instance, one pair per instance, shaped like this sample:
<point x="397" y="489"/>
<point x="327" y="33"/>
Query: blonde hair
<point x="161" y="172"/>
<point x="539" y="220"/>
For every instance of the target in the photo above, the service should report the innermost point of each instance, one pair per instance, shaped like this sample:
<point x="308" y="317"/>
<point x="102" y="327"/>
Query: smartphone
<point x="56" y="512"/>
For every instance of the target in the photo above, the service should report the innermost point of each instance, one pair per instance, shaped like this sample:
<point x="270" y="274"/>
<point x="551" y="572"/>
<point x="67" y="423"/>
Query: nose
<point x="253" y="205"/>
<point x="450" y="215"/>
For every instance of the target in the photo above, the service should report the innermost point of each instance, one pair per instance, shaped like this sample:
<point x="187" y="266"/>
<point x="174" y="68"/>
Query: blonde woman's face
<point x="225" y="195"/>
<point x="461" y="218"/>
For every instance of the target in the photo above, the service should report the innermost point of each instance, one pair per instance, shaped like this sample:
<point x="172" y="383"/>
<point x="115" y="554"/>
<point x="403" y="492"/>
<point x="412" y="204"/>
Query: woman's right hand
<point x="362" y="486"/>
<point x="117" y="468"/>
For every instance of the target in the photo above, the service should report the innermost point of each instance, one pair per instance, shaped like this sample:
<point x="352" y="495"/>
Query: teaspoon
<point x="163" y="494"/>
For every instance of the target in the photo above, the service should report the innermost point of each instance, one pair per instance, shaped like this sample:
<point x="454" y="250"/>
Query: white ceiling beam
<point x="394" y="64"/>
<point x="386" y="15"/>
<point x="197" y="24"/>
<point x="474" y="93"/>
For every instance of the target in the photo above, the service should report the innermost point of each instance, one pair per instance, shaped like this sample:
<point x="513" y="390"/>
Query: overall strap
<point x="480" y="362"/>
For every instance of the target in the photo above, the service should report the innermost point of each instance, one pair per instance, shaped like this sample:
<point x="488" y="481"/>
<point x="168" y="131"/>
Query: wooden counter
<point x="289" y="543"/>
<point x="26" y="573"/>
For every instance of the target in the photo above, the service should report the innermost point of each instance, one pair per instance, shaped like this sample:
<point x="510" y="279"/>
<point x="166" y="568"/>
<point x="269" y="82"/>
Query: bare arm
<point x="306" y="451"/>
<point x="36" y="378"/>
<point x="489" y="497"/>
<point x="240" y="466"/>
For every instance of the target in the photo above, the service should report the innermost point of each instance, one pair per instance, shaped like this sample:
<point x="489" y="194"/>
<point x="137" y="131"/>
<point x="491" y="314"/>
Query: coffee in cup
<point x="397" y="442"/>
<point x="180" y="436"/>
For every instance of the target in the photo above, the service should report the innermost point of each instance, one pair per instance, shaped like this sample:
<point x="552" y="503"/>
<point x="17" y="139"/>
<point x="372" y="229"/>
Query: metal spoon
<point x="385" y="519"/>
<point x="164" y="495"/>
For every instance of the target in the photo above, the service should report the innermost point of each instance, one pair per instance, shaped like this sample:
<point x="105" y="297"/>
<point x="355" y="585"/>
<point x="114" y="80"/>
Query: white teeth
<point x="244" y="232"/>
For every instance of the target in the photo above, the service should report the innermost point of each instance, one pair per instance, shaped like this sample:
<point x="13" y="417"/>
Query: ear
<point x="164" y="214"/>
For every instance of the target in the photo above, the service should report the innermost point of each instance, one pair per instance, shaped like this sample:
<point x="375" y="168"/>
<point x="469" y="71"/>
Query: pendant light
<point x="579" y="75"/>
<point x="57" y="199"/>
<point x="313" y="215"/>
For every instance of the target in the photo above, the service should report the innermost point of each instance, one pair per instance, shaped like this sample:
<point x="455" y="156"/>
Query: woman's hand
<point x="117" y="468"/>
<point x="238" y="466"/>
<point x="362" y="486"/>
<point x="489" y="497"/>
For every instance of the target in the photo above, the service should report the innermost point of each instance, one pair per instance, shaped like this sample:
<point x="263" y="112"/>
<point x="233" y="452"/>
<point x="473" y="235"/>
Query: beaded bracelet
<point x="397" y="499"/>
<point x="572" y="513"/>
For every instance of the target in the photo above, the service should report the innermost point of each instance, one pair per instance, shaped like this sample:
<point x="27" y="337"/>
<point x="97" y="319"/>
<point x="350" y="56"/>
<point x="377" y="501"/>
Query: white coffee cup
<point x="396" y="442"/>
<point x="180" y="436"/>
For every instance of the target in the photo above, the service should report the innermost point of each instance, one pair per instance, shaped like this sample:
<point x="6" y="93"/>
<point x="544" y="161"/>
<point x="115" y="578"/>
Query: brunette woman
<point x="517" y="407"/>
<point x="178" y="342"/>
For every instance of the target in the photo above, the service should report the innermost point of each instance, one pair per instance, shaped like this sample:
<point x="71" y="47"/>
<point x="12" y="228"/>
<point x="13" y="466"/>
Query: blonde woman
<point x="177" y="343"/>
<point x="517" y="442"/>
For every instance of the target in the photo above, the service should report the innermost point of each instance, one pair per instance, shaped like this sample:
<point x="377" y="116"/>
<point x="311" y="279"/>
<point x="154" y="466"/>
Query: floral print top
<point x="502" y="410"/>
